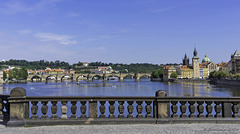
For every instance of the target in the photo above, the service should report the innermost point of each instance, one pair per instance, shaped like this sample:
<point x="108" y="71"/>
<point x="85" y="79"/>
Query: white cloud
<point x="24" y="32"/>
<point x="101" y="48"/>
<point x="163" y="9"/>
<point x="101" y="37"/>
<point x="13" y="7"/>
<point x="72" y="15"/>
<point x="62" y="39"/>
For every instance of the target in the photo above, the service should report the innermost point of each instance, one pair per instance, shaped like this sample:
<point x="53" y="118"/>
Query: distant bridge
<point x="88" y="77"/>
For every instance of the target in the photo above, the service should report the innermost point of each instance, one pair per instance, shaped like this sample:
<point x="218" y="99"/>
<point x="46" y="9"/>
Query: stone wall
<point x="227" y="82"/>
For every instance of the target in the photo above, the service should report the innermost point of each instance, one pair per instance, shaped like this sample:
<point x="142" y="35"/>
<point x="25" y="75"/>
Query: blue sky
<point x="119" y="31"/>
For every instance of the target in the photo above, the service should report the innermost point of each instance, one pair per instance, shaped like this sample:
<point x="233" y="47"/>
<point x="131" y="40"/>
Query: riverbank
<point x="126" y="129"/>
<point x="226" y="82"/>
<point x="191" y="80"/>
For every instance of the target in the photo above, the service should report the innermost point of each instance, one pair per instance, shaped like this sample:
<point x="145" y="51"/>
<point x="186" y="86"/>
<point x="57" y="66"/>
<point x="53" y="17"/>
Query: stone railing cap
<point x="161" y="93"/>
<point x="18" y="92"/>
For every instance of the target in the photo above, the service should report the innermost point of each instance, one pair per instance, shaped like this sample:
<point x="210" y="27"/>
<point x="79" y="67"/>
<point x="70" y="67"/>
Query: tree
<point x="23" y="74"/>
<point x="157" y="73"/>
<point x="173" y="75"/>
<point x="4" y="75"/>
<point x="10" y="75"/>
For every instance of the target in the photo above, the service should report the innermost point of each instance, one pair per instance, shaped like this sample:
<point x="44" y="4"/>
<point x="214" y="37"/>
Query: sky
<point x="119" y="31"/>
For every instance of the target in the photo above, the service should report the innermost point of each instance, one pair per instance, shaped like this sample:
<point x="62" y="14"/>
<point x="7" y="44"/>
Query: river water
<point x="127" y="88"/>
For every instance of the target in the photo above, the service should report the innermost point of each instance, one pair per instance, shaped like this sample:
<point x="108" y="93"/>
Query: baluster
<point x="121" y="109"/>
<point x="73" y="109"/>
<point x="44" y="109"/>
<point x="102" y="109"/>
<point x="183" y="109"/>
<point x="191" y="108"/>
<point x="200" y="108"/>
<point x="209" y="109"/>
<point x="148" y="108"/>
<point x="6" y="105"/>
<point x="218" y="109"/>
<point x="130" y="109"/>
<point x="64" y="110"/>
<point x="83" y="109"/>
<point x="235" y="109"/>
<point x="54" y="110"/>
<point x="139" y="109"/>
<point x="1" y="107"/>
<point x="111" y="109"/>
<point x="34" y="109"/>
<point x="174" y="109"/>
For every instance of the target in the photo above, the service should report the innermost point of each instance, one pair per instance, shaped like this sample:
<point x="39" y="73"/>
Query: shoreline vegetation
<point x="20" y="75"/>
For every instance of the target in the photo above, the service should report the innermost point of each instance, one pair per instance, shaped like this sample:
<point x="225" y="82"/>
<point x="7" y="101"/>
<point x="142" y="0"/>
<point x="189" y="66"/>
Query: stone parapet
<point x="73" y="110"/>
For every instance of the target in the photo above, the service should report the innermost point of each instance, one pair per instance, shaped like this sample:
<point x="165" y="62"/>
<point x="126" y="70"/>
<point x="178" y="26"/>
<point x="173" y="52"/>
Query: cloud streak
<point x="24" y="32"/>
<point x="163" y="9"/>
<point x="62" y="39"/>
<point x="101" y="37"/>
<point x="14" y="7"/>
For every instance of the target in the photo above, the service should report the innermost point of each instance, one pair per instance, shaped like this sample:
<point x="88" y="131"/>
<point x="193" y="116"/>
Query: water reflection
<point x="127" y="88"/>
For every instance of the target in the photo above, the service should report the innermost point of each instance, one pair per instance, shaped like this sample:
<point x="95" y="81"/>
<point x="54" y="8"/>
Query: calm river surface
<point x="127" y="88"/>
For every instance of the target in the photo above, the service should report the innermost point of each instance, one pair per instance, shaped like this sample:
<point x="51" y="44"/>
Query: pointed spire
<point x="185" y="57"/>
<point x="236" y="53"/>
<point x="195" y="52"/>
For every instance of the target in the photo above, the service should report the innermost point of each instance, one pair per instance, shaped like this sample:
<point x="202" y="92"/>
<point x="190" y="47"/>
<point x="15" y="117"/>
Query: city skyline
<point x="136" y="31"/>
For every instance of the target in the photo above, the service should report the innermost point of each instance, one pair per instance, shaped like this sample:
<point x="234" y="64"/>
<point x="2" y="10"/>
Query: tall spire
<point x="236" y="53"/>
<point x="185" y="57"/>
<point x="195" y="52"/>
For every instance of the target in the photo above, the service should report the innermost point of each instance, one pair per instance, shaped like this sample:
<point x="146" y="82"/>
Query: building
<point x="210" y="65"/>
<point x="167" y="71"/>
<point x="1" y="77"/>
<point x="195" y="64"/>
<point x="224" y="67"/>
<point x="205" y="59"/>
<point x="85" y="64"/>
<point x="235" y="61"/>
<point x="186" y="72"/>
<point x="185" y="60"/>
<point x="204" y="73"/>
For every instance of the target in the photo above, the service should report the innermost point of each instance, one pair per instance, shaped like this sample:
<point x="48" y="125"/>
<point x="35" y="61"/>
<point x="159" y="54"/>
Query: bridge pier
<point x="137" y="79"/>
<point x="120" y="79"/>
<point x="89" y="78"/>
<point x="105" y="78"/>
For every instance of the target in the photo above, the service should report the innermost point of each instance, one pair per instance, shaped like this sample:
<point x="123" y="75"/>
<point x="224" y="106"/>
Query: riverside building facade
<point x="194" y="71"/>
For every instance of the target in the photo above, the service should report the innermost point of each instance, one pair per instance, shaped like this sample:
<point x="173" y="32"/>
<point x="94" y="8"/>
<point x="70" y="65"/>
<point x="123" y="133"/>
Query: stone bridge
<point x="88" y="77"/>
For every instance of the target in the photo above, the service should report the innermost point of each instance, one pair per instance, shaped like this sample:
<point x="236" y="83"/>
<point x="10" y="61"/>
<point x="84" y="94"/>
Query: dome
<point x="206" y="59"/>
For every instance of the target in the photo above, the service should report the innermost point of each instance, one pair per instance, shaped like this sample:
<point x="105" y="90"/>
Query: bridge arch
<point x="65" y="77"/>
<point x="145" y="75"/>
<point x="97" y="77"/>
<point x="37" y="78"/>
<point x="112" y="77"/>
<point x="81" y="77"/>
<point x="129" y="76"/>
<point x="51" y="77"/>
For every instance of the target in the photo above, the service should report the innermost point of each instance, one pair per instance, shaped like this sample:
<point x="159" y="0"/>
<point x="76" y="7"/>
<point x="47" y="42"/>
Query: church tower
<point x="185" y="60"/>
<point x="195" y="64"/>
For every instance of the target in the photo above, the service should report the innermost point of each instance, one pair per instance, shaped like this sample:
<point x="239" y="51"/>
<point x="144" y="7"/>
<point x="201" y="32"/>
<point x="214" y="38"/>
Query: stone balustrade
<point x="67" y="110"/>
<point x="4" y="108"/>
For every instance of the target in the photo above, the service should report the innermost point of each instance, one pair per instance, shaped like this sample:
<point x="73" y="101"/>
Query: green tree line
<point x="42" y="64"/>
<point x="220" y="74"/>
<point x="18" y="74"/>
